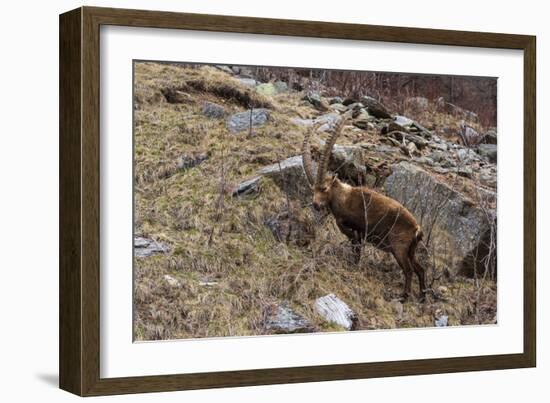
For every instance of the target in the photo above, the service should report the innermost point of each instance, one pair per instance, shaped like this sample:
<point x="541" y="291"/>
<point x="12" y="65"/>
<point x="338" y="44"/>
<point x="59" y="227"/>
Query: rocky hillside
<point x="227" y="243"/>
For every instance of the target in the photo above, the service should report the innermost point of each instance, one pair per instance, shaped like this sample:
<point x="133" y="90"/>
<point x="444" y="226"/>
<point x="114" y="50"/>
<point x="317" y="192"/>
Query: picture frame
<point x="80" y="154"/>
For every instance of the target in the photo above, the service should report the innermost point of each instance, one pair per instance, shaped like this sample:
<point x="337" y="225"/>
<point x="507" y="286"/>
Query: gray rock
<point x="403" y="121"/>
<point x="326" y="121"/>
<point x="334" y="310"/>
<point x="313" y="98"/>
<point x="335" y="100"/>
<point x="190" y="161"/>
<point x="224" y="68"/>
<point x="266" y="89"/>
<point x="464" y="171"/>
<point x="144" y="247"/>
<point x="356" y="106"/>
<point x="280" y="86"/>
<point x="490" y="137"/>
<point x="392" y="127"/>
<point x="247" y="188"/>
<point x="457" y="228"/>
<point x="213" y="110"/>
<point x="442" y="321"/>
<point x="363" y="121"/>
<point x="338" y="107"/>
<point x="289" y="175"/>
<point x="466" y="155"/>
<point x="375" y="108"/>
<point x="282" y="319"/>
<point x="438" y="156"/>
<point x="418" y="141"/>
<point x="424" y="160"/>
<point x="241" y="121"/>
<point x="249" y="82"/>
<point x="469" y="135"/>
<point x="438" y="146"/>
<point x="488" y="151"/>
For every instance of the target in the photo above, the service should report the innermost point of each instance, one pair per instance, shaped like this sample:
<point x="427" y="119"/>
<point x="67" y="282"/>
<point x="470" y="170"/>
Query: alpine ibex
<point x="363" y="214"/>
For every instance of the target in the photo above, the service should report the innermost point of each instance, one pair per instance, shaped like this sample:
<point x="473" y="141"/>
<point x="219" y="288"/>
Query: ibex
<point x="363" y="214"/>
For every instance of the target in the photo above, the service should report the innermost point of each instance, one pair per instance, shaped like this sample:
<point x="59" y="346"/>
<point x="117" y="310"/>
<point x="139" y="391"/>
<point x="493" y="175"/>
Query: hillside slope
<point x="215" y="257"/>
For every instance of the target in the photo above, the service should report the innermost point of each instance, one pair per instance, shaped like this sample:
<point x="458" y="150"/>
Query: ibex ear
<point x="334" y="178"/>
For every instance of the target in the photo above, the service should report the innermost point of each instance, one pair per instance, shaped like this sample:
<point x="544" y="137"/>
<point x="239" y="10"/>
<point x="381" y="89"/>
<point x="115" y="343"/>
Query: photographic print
<point x="274" y="200"/>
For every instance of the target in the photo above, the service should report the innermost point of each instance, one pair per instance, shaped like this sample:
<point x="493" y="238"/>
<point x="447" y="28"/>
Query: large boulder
<point x="459" y="231"/>
<point x="289" y="175"/>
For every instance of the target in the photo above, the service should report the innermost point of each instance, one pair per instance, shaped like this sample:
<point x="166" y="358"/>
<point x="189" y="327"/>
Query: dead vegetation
<point x="230" y="265"/>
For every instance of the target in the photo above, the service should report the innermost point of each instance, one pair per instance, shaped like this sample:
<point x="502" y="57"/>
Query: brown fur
<point x="364" y="215"/>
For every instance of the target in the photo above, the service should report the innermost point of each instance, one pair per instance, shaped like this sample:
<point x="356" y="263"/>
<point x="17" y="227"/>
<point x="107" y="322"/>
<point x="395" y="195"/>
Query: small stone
<point x="282" y="319"/>
<point x="442" y="321"/>
<point x="172" y="282"/>
<point x="213" y="110"/>
<point x="375" y="108"/>
<point x="189" y="161"/>
<point x="488" y="151"/>
<point x="248" y="187"/>
<point x="144" y="247"/>
<point x="403" y="121"/>
<point x="336" y="311"/>
<point x="241" y="121"/>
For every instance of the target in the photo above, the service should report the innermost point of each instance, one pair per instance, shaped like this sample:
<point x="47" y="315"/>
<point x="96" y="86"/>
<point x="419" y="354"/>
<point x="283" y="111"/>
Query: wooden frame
<point x="79" y="201"/>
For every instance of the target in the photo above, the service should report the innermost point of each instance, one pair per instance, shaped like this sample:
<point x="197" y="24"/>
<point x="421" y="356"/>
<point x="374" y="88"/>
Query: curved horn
<point x="306" y="159"/>
<point x="325" y="157"/>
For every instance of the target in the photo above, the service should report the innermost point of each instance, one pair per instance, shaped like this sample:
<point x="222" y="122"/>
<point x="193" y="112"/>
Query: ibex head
<point x="323" y="185"/>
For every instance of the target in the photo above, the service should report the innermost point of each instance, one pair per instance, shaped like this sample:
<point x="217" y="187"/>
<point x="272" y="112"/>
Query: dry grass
<point x="229" y="265"/>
